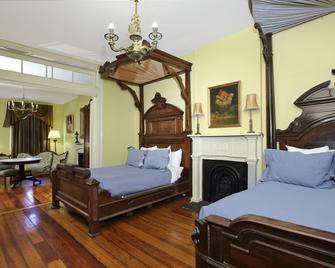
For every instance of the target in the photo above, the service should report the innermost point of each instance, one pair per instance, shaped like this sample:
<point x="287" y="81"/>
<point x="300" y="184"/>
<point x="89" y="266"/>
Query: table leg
<point x="20" y="177"/>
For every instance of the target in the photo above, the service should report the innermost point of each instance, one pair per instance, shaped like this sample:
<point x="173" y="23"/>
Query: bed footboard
<point x="255" y="241"/>
<point x="72" y="186"/>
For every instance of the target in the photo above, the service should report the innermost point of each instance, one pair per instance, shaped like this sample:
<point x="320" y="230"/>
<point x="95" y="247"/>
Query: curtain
<point x="30" y="131"/>
<point x="277" y="15"/>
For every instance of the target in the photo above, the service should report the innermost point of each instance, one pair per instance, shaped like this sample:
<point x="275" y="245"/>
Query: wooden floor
<point x="34" y="235"/>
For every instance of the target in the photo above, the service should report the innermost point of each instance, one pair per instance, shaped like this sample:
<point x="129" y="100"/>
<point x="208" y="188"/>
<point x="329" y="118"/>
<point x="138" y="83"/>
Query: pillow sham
<point x="308" y="151"/>
<point x="135" y="157"/>
<point x="175" y="158"/>
<point x="149" y="148"/>
<point x="309" y="170"/>
<point x="156" y="159"/>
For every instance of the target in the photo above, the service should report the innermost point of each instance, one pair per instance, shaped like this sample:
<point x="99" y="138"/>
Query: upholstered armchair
<point x="43" y="167"/>
<point x="59" y="158"/>
<point x="7" y="171"/>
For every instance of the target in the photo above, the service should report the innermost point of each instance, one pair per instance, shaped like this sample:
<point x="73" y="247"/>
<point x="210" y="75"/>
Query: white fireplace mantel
<point x="231" y="147"/>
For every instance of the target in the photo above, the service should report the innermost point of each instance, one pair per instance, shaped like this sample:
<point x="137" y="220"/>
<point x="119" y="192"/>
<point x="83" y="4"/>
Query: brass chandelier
<point x="138" y="49"/>
<point x="22" y="107"/>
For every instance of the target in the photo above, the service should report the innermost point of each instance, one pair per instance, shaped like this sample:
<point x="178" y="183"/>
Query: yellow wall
<point x="120" y="124"/>
<point x="4" y="132"/>
<point x="67" y="140"/>
<point x="230" y="59"/>
<point x="303" y="57"/>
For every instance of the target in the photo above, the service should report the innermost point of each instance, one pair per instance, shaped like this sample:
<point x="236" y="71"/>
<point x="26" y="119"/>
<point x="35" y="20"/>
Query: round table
<point x="21" y="162"/>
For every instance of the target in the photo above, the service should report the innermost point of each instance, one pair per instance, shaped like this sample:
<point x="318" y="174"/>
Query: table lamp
<point x="197" y="111"/>
<point x="251" y="105"/>
<point x="54" y="135"/>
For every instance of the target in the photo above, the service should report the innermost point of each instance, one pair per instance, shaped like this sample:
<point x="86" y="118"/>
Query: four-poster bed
<point x="160" y="125"/>
<point x="258" y="241"/>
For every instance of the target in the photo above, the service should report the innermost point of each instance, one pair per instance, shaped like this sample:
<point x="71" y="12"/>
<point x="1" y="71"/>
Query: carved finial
<point x="159" y="100"/>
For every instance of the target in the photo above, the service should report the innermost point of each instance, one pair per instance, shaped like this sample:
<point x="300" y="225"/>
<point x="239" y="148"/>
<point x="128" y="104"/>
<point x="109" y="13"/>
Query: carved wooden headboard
<point x="164" y="127"/>
<point x="315" y="127"/>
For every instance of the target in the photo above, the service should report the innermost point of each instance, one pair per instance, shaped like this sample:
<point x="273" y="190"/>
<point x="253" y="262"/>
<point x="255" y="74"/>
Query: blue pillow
<point x="135" y="157"/>
<point x="157" y="159"/>
<point x="310" y="170"/>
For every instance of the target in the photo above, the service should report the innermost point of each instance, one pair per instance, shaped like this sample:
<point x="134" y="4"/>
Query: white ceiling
<point x="77" y="27"/>
<point x="8" y="91"/>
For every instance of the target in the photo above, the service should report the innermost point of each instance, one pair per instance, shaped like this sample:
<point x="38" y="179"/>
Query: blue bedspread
<point x="122" y="180"/>
<point x="296" y="204"/>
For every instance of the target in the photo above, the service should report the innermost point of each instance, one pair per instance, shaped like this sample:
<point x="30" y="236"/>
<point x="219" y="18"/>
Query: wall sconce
<point x="197" y="111"/>
<point x="251" y="105"/>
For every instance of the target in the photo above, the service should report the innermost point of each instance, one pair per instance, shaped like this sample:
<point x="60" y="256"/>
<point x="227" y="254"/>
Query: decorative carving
<point x="196" y="235"/>
<point x="314" y="127"/>
<point x="333" y="72"/>
<point x="137" y="102"/>
<point x="107" y="69"/>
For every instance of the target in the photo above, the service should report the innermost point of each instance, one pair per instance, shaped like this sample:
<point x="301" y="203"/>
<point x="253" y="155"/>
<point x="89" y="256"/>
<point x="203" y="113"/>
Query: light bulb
<point x="155" y="26"/>
<point x="111" y="27"/>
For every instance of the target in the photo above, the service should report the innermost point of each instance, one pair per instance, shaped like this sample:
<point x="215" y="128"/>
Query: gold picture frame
<point x="69" y="123"/>
<point x="225" y="105"/>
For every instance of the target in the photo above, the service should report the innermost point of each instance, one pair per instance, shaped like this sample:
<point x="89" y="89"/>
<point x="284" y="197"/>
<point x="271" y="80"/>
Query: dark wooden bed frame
<point x="256" y="241"/>
<point x="161" y="125"/>
<point x="74" y="186"/>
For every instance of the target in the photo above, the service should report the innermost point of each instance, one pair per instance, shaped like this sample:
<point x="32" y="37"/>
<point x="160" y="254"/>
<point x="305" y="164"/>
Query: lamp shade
<point x="251" y="103"/>
<point x="197" y="110"/>
<point x="54" y="135"/>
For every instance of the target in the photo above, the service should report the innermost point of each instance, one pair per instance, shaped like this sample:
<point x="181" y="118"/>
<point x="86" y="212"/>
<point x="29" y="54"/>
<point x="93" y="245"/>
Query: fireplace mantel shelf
<point x="227" y="135"/>
<point x="238" y="147"/>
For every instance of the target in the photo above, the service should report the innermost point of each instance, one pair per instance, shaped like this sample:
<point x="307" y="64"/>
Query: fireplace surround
<point x="244" y="148"/>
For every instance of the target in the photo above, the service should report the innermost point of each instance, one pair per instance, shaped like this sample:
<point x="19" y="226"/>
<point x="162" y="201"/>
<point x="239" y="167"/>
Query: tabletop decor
<point x="251" y="105"/>
<point x="224" y="105"/>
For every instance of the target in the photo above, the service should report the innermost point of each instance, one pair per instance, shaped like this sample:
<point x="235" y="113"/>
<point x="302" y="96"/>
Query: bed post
<point x="270" y="95"/>
<point x="54" y="182"/>
<point x="188" y="112"/>
<point x="93" y="203"/>
<point x="141" y="116"/>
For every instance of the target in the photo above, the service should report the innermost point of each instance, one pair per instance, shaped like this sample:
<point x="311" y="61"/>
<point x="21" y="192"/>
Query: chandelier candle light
<point x="24" y="108"/>
<point x="251" y="105"/>
<point x="138" y="49"/>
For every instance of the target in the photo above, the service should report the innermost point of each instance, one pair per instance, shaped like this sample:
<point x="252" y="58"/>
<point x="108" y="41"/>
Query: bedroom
<point x="303" y="58"/>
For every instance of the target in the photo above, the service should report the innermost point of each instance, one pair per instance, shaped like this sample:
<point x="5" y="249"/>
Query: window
<point x="10" y="64"/>
<point x="34" y="68"/>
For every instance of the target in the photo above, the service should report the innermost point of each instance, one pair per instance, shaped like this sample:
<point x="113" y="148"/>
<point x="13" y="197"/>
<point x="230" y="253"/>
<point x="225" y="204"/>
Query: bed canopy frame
<point x="271" y="17"/>
<point x="156" y="66"/>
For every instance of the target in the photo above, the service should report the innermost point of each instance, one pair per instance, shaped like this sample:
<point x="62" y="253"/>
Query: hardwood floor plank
<point x="179" y="254"/>
<point x="11" y="251"/>
<point x="56" y="264"/>
<point x="68" y="248"/>
<point x="152" y="237"/>
<point x="28" y="251"/>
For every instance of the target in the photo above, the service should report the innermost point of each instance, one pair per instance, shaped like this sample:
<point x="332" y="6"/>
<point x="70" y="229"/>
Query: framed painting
<point x="70" y="123"/>
<point x="224" y="105"/>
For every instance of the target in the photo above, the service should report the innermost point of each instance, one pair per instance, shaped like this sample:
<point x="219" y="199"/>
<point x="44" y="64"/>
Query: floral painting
<point x="224" y="103"/>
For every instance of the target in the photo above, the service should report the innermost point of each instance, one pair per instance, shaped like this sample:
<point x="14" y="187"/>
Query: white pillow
<point x="167" y="148"/>
<point x="149" y="148"/>
<point x="323" y="149"/>
<point x="175" y="158"/>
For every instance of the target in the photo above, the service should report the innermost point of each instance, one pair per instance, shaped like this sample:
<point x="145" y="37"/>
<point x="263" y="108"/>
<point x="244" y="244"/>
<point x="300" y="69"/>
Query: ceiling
<point x="77" y="27"/>
<point x="8" y="91"/>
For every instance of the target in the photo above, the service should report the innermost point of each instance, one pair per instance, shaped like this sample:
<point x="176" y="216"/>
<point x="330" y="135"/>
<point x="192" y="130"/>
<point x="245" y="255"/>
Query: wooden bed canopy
<point x="158" y="65"/>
